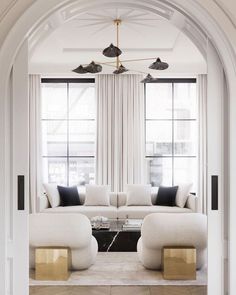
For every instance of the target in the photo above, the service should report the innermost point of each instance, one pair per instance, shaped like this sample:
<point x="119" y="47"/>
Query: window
<point x="171" y="132"/>
<point x="68" y="131"/>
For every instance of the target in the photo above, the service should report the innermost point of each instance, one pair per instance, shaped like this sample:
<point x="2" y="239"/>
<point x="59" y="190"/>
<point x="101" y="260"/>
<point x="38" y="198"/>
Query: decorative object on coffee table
<point x="132" y="225"/>
<point x="116" y="238"/>
<point x="52" y="263"/>
<point x="179" y="263"/>
<point x="100" y="222"/>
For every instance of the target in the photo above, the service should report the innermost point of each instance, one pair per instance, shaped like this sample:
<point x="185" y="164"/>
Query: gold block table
<point x="52" y="263"/>
<point x="179" y="263"/>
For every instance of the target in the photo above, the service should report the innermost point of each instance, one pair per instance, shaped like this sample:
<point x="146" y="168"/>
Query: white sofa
<point x="160" y="230"/>
<point x="118" y="208"/>
<point x="67" y="230"/>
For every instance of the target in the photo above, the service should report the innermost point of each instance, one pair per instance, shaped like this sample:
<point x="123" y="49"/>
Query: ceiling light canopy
<point x="113" y="51"/>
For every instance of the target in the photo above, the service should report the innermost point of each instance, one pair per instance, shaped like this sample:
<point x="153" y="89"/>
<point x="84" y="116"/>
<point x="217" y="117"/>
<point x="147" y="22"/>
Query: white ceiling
<point x="142" y="35"/>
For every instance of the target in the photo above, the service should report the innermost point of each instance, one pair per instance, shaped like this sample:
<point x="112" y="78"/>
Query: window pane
<point x="55" y="170"/>
<point x="185" y="138"/>
<point x="185" y="101"/>
<point x="82" y="101"/>
<point x="158" y="138"/>
<point x="54" y="138"/>
<point x="82" y="138"/>
<point x="159" y="101"/>
<point x="185" y="170"/>
<point x="82" y="171"/>
<point x="54" y="101"/>
<point x="159" y="171"/>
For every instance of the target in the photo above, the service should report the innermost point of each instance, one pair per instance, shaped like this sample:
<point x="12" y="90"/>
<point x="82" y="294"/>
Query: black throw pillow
<point x="166" y="196"/>
<point x="69" y="196"/>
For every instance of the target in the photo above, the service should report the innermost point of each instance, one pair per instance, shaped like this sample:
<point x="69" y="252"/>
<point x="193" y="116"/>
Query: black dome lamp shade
<point x="80" y="70"/>
<point x="112" y="51"/>
<point x="93" y="68"/>
<point x="159" y="65"/>
<point x="120" y="70"/>
<point x="149" y="79"/>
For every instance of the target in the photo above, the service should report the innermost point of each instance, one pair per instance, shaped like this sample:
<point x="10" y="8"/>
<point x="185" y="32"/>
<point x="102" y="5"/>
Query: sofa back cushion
<point x="69" y="195"/>
<point x="122" y="197"/>
<point x="97" y="195"/>
<point x="52" y="194"/>
<point x="112" y="196"/>
<point x="166" y="196"/>
<point x="138" y="195"/>
<point x="55" y="197"/>
<point x="182" y="194"/>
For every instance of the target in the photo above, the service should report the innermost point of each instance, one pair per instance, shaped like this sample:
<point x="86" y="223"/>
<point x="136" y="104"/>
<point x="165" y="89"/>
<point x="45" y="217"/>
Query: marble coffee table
<point x="117" y="239"/>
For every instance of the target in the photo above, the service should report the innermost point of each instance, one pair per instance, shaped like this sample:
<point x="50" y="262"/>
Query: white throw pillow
<point x="138" y="195"/>
<point x="97" y="195"/>
<point x="182" y="194"/>
<point x="52" y="194"/>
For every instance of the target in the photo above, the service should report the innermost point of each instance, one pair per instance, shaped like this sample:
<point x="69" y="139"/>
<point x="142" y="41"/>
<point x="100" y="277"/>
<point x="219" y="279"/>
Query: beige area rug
<point x="119" y="268"/>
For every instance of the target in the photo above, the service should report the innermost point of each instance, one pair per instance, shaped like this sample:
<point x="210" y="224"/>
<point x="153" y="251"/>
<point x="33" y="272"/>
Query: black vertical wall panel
<point x="21" y="192"/>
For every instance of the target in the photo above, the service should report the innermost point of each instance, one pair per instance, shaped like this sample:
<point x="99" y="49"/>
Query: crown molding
<point x="6" y="10"/>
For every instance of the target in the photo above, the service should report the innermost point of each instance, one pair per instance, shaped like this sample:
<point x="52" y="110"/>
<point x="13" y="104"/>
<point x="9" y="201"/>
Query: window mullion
<point x="173" y="135"/>
<point x="68" y="138"/>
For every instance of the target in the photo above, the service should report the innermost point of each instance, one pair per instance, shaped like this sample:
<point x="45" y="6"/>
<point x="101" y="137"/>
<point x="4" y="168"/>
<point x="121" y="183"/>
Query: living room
<point x="106" y="141"/>
<point x="125" y="166"/>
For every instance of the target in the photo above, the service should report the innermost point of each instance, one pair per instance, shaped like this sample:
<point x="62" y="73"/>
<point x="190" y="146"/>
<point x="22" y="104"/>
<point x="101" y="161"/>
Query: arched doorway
<point x="197" y="22"/>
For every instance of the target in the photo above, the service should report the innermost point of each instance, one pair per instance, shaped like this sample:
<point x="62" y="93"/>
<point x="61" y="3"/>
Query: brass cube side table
<point x="179" y="263"/>
<point x="52" y="263"/>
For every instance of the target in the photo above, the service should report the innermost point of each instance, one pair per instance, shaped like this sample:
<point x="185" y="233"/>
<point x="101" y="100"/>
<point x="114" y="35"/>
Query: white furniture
<point x="160" y="230"/>
<point x="118" y="207"/>
<point x="65" y="230"/>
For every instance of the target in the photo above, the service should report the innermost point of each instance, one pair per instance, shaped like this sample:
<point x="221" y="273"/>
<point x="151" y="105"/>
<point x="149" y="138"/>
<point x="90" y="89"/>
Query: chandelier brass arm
<point x="114" y="51"/>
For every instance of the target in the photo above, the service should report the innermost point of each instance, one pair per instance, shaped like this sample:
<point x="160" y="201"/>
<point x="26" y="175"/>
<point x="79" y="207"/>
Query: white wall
<point x="215" y="166"/>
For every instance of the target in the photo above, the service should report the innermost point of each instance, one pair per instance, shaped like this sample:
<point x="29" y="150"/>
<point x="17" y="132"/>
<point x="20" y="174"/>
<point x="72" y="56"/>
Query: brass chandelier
<point x="113" y="51"/>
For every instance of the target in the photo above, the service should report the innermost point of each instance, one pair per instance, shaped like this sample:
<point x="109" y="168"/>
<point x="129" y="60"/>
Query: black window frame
<point x="172" y="81"/>
<point x="68" y="81"/>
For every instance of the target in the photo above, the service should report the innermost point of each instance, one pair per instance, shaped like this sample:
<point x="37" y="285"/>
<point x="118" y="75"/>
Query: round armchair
<point x="64" y="230"/>
<point x="171" y="229"/>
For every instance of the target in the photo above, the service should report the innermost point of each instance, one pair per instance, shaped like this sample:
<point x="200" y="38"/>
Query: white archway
<point x="198" y="20"/>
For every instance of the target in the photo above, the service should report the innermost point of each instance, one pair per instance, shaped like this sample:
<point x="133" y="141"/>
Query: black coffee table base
<point x="117" y="241"/>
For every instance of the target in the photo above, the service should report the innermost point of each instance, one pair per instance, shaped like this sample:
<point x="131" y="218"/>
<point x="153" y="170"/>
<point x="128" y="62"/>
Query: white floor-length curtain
<point x="202" y="103"/>
<point x="120" y="130"/>
<point x="35" y="139"/>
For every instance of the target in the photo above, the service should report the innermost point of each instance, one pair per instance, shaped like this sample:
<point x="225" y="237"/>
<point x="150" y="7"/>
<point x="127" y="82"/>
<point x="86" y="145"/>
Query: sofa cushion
<point x="166" y="196"/>
<point x="69" y="195"/>
<point x="140" y="212"/>
<point x="52" y="194"/>
<point x="182" y="194"/>
<point x="90" y="211"/>
<point x="122" y="197"/>
<point x="138" y="195"/>
<point x="97" y="195"/>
